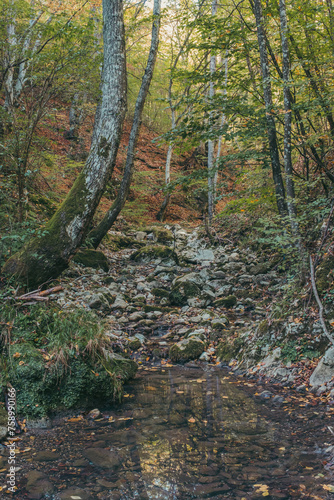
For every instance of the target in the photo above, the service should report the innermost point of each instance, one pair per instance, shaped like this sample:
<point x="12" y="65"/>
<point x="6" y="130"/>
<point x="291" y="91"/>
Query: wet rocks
<point x="227" y="302"/>
<point x="75" y="493"/>
<point x="46" y="456"/>
<point x="102" y="457"/>
<point x="38" y="485"/>
<point x="186" y="350"/>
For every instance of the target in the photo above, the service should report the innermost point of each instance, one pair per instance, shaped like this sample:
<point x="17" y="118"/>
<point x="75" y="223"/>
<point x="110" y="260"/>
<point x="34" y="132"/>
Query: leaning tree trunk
<point x="271" y="127"/>
<point x="97" y="234"/>
<point x="48" y="254"/>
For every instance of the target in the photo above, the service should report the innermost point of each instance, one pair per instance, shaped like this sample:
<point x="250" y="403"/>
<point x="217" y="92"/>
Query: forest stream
<point x="181" y="433"/>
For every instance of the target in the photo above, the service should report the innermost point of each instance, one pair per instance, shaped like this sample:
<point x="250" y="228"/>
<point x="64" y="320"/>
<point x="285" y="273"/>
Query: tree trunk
<point x="211" y="143"/>
<point x="271" y="127"/>
<point x="162" y="212"/>
<point x="97" y="234"/>
<point x="48" y="254"/>
<point x="290" y="188"/>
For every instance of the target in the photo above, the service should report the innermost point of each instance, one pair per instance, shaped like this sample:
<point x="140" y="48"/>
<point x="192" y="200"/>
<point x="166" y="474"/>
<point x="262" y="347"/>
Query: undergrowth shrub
<point x="58" y="360"/>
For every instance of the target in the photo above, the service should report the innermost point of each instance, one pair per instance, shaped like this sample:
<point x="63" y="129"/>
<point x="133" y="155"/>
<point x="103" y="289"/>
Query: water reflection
<point x="194" y="434"/>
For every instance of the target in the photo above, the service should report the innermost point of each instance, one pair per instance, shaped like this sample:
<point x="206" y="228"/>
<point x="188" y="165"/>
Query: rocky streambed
<point x="184" y="311"/>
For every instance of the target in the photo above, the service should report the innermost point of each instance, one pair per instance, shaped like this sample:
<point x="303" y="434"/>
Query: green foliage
<point x="58" y="360"/>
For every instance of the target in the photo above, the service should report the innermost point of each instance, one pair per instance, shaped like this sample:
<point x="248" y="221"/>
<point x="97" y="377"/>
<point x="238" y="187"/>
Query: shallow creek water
<point x="183" y="433"/>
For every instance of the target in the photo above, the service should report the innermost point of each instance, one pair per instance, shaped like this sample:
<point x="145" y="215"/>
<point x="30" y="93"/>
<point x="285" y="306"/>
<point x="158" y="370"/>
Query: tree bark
<point x="48" y="254"/>
<point x="97" y="234"/>
<point x="271" y="127"/>
<point x="211" y="143"/>
<point x="290" y="188"/>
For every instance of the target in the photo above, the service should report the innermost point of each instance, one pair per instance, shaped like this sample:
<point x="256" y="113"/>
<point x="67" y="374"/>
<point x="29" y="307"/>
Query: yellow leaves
<point x="328" y="487"/>
<point x="16" y="355"/>
<point x="75" y="419"/>
<point x="151" y="388"/>
<point x="262" y="488"/>
<point x="21" y="363"/>
<point x="179" y="392"/>
<point x="200" y="380"/>
<point x="191" y="420"/>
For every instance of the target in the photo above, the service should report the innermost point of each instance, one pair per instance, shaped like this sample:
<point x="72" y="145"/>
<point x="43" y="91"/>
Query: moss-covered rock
<point x="160" y="292"/>
<point x="154" y="252"/>
<point x="161" y="234"/>
<point x="186" y="350"/>
<point x="116" y="242"/>
<point x="134" y="343"/>
<point x="182" y="291"/>
<point x="91" y="258"/>
<point x="227" y="302"/>
<point x="229" y="348"/>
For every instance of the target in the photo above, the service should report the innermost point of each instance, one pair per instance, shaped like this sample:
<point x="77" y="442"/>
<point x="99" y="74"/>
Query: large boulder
<point x="186" y="350"/>
<point x="38" y="485"/>
<point x="324" y="372"/>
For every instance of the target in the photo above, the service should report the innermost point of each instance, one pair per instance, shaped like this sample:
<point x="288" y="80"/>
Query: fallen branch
<point x="40" y="295"/>
<point x="317" y="298"/>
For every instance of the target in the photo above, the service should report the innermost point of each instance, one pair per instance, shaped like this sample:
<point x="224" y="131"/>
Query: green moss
<point x="134" y="343"/>
<point x="186" y="350"/>
<point x="161" y="234"/>
<point x="117" y="242"/>
<point x="229" y="348"/>
<point x="325" y="274"/>
<point x="91" y="258"/>
<point x="263" y="328"/>
<point x="47" y="255"/>
<point x="227" y="302"/>
<point x="153" y="252"/>
<point x="160" y="292"/>
<point x="183" y="291"/>
<point x="148" y="308"/>
<point x="3" y="417"/>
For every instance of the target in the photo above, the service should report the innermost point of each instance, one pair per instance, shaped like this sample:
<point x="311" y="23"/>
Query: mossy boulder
<point x="134" y="343"/>
<point x="160" y="293"/>
<point x="3" y="422"/>
<point x="227" y="302"/>
<point x="161" y="234"/>
<point x="155" y="252"/>
<point x="186" y="350"/>
<point x="116" y="242"/>
<point x="220" y="323"/>
<point x="91" y="258"/>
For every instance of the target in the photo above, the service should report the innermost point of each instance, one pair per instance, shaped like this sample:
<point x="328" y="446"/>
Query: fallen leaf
<point x="191" y="420"/>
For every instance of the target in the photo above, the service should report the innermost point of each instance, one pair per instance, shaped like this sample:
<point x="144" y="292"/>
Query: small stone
<point x="75" y="493"/>
<point x="265" y="395"/>
<point x="102" y="458"/>
<point x="46" y="456"/>
<point x="94" y="413"/>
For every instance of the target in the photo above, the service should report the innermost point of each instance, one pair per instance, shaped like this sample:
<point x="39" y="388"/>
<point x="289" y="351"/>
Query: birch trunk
<point x="290" y="188"/>
<point x="211" y="143"/>
<point x="222" y="122"/>
<point x="271" y="127"/>
<point x="48" y="254"/>
<point x="97" y="234"/>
